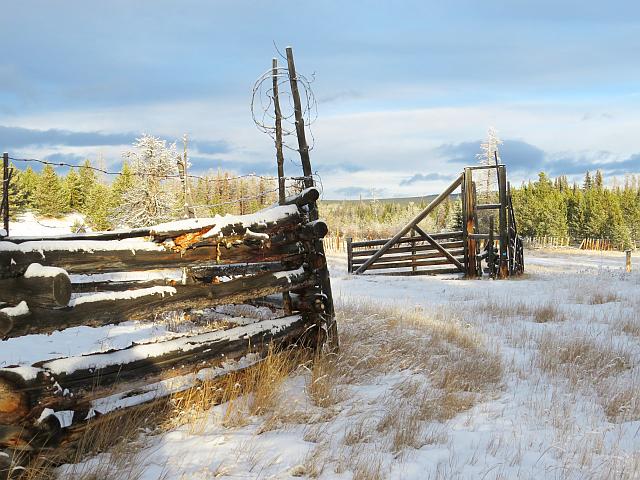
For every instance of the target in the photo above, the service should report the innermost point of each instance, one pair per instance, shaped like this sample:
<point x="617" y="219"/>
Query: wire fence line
<point x="138" y="174"/>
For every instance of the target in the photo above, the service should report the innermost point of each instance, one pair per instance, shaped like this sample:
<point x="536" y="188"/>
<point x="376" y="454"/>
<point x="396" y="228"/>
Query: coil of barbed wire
<point x="263" y="109"/>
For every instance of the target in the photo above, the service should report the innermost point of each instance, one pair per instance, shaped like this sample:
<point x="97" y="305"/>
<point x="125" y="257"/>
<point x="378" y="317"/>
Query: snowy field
<point x="437" y="378"/>
<point x="551" y="386"/>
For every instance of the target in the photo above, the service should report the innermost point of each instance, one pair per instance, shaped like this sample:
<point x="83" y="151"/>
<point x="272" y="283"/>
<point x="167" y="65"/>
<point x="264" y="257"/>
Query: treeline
<point x="546" y="207"/>
<point x="104" y="201"/>
<point x="553" y="207"/>
<point x="371" y="219"/>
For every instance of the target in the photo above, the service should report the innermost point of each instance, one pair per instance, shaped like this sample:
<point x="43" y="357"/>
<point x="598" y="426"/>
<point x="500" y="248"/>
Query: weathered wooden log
<point x="206" y="273"/>
<point x="40" y="286"/>
<point x="124" y="256"/>
<point x="314" y="230"/>
<point x="103" y="309"/>
<point x="310" y="301"/>
<point x="419" y="238"/>
<point x="306" y="197"/>
<point x="87" y="372"/>
<point x="14" y="403"/>
<point x="257" y="221"/>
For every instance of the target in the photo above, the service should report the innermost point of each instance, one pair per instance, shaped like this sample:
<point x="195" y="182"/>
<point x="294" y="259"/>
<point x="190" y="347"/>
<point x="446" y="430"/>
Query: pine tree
<point x="588" y="183"/>
<point x="87" y="180"/>
<point x="22" y="190"/>
<point x="50" y="199"/>
<point x="98" y="206"/>
<point x="73" y="191"/>
<point x="598" y="181"/>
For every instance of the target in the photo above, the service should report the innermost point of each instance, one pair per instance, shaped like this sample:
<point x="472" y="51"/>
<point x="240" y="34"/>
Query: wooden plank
<point x="392" y="258"/>
<point x="145" y="304"/>
<point x="488" y="206"/>
<point x="418" y="248"/>
<point x="437" y="236"/>
<point x="435" y="271"/>
<point x="409" y="264"/>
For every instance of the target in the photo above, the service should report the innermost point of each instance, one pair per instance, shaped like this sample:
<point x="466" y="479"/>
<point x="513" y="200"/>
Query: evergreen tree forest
<point x="545" y="207"/>
<point x="103" y="200"/>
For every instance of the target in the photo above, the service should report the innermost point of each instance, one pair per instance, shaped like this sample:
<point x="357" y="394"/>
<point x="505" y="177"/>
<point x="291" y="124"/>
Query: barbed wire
<point x="139" y="174"/>
<point x="264" y="117"/>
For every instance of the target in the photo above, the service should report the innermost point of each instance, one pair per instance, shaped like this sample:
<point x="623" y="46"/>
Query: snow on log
<point x="169" y="386"/>
<point x="41" y="286"/>
<point x="105" y="308"/>
<point x="227" y="225"/>
<point x="10" y="315"/>
<point x="138" y="360"/>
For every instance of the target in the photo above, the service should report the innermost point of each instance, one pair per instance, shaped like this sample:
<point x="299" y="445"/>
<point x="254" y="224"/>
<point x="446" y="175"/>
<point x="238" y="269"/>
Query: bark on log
<point x="306" y="197"/>
<point x="50" y="289"/>
<point x="125" y="259"/>
<point x="146" y="306"/>
<point x="14" y="403"/>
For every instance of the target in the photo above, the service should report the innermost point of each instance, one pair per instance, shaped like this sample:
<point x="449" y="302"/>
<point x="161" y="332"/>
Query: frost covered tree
<point x="489" y="150"/>
<point x="152" y="196"/>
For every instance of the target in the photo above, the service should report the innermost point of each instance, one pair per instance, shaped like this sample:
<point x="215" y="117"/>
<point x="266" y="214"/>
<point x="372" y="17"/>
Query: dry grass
<point x="582" y="358"/>
<point x="538" y="312"/>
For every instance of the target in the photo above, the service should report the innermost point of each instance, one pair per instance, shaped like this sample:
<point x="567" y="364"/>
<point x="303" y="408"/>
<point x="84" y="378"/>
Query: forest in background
<point x="149" y="189"/>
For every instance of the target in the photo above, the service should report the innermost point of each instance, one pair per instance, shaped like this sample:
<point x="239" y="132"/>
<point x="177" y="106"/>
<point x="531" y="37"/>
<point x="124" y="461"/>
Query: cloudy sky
<point x="405" y="89"/>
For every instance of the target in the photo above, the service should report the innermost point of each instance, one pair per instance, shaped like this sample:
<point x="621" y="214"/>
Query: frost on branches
<point x="152" y="197"/>
<point x="487" y="180"/>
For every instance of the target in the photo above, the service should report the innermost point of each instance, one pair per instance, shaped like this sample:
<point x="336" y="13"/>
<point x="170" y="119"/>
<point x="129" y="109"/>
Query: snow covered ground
<point x="565" y="404"/>
<point x="438" y="378"/>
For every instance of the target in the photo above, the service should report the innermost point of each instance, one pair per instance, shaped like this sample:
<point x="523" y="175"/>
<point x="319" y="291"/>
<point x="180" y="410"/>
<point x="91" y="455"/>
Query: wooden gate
<point x="412" y="251"/>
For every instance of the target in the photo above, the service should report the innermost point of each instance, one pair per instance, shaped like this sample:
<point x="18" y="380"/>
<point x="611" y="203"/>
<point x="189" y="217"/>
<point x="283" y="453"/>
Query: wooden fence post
<point x="303" y="149"/>
<point x="413" y="251"/>
<point x="628" y="262"/>
<point x="468" y="227"/>
<point x="5" y="192"/>
<point x="349" y="255"/>
<point x="286" y="297"/>
<point x="504" y="238"/>
<point x="278" y="121"/>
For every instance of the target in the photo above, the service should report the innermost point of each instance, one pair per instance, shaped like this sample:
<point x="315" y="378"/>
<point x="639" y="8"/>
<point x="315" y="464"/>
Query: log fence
<point x="272" y="258"/>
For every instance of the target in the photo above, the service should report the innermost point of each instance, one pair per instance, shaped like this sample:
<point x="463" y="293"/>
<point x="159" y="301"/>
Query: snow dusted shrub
<point x="152" y="198"/>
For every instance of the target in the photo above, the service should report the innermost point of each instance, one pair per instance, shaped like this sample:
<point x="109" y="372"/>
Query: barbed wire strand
<point x="107" y="172"/>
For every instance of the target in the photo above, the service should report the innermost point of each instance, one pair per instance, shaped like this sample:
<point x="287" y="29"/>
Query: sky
<point x="405" y="90"/>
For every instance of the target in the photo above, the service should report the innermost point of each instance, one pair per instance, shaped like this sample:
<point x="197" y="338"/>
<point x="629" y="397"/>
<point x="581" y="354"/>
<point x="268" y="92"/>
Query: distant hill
<point x="398" y="200"/>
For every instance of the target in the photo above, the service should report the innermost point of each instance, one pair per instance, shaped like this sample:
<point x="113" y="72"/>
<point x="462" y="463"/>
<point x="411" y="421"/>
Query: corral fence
<point x="194" y="267"/>
<point x="486" y="242"/>
<point x="598" y="244"/>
